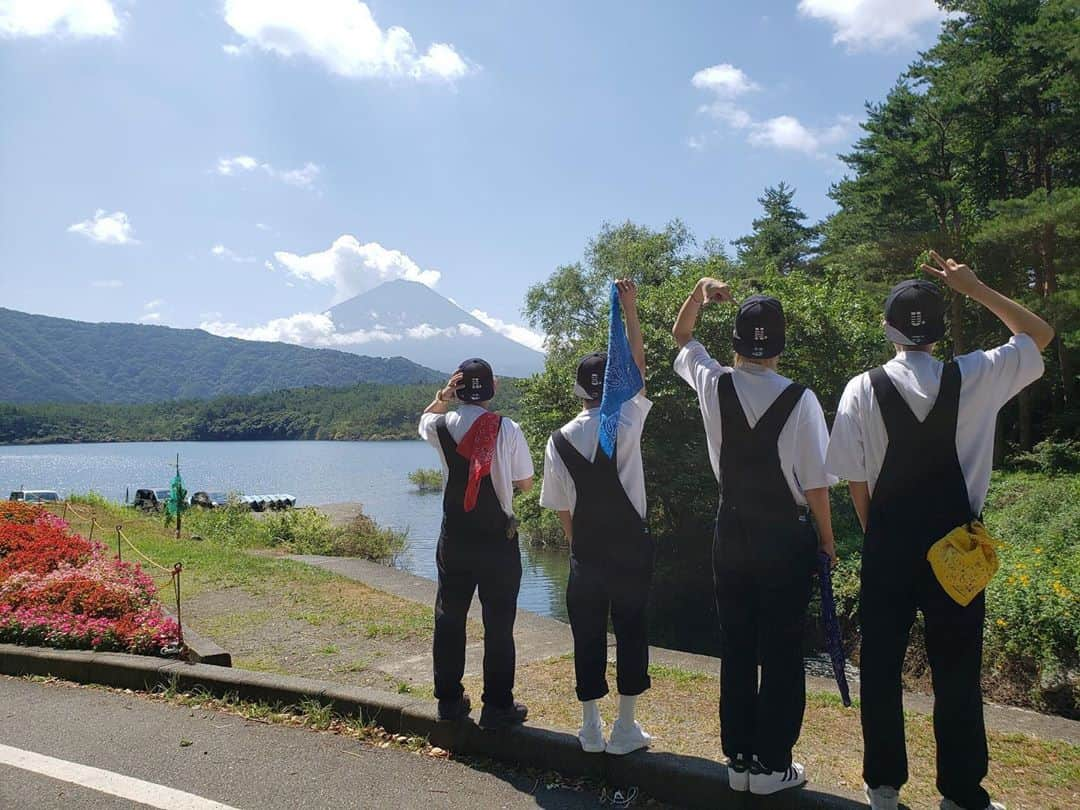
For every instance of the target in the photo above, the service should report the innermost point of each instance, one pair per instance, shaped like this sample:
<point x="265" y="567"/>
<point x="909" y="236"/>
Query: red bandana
<point x="478" y="446"/>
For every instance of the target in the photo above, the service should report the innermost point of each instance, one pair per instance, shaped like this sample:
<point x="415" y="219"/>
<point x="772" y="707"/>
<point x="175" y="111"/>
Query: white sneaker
<point x="762" y="783"/>
<point x="626" y="738"/>
<point x="592" y="738"/>
<point x="738" y="774"/>
<point x="883" y="797"/>
<point x="949" y="804"/>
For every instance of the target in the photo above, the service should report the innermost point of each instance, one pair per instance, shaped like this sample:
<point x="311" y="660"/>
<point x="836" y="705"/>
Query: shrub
<point x="427" y="480"/>
<point x="308" y="531"/>
<point x="62" y="590"/>
<point x="232" y="525"/>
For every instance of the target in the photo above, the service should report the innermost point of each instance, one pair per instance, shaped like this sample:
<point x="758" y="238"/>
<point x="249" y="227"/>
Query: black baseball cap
<point x="759" y="328"/>
<point x="915" y="313"/>
<point x="477" y="381"/>
<point x="590" y="376"/>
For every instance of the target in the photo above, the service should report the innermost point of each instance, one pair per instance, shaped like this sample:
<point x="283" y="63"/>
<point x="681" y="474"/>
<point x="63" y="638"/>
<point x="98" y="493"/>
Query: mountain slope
<point x="418" y="323"/>
<point x="45" y="359"/>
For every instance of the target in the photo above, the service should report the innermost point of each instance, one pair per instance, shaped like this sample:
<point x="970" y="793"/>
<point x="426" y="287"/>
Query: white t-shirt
<point x="804" y="438"/>
<point x="987" y="381"/>
<point x="583" y="432"/>
<point x="512" y="461"/>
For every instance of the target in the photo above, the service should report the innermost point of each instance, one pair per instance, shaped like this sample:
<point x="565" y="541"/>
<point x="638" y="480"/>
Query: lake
<point x="373" y="473"/>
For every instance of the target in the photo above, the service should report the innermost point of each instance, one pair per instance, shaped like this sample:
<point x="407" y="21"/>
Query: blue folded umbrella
<point x="622" y="377"/>
<point x="832" y="626"/>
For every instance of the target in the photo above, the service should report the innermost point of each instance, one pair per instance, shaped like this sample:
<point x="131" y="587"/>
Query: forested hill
<point x="366" y="411"/>
<point x="44" y="359"/>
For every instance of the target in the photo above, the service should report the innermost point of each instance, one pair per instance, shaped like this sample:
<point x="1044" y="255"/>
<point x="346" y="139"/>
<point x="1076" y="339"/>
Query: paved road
<point x="55" y="739"/>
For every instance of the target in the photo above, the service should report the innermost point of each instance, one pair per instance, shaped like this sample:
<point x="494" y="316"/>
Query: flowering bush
<point x="62" y="590"/>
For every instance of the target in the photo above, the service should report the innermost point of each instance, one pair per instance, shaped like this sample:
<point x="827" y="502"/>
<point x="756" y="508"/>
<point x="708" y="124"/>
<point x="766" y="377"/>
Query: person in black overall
<point x="914" y="439"/>
<point x="771" y="477"/>
<point x="600" y="500"/>
<point x="477" y="551"/>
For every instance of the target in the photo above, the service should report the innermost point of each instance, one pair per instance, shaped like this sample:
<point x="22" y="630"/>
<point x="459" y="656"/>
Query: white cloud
<point x="150" y="317"/>
<point x="109" y="229"/>
<point x="516" y="332"/>
<point x="303" y="328"/>
<point x="783" y="132"/>
<point x="232" y="50"/>
<point x="725" y="80"/>
<point x="223" y="252"/>
<point x="107" y="283"/>
<point x="788" y="133"/>
<point x="262" y="226"/>
<point x="304" y="177"/>
<point x="469" y="330"/>
<point x="74" y="18"/>
<point x="862" y="24"/>
<point x="351" y="267"/>
<point x="152" y="305"/>
<point x="343" y="37"/>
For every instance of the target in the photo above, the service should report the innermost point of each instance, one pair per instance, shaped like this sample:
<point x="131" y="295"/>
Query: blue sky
<point x="243" y="163"/>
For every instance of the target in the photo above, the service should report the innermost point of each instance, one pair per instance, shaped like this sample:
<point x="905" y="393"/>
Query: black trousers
<point x="592" y="592"/>
<point x="761" y="620"/>
<point x="954" y="636"/>
<point x="492" y="567"/>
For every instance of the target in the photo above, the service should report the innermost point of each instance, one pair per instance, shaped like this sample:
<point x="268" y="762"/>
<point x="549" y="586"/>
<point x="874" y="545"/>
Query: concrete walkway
<point x="540" y="637"/>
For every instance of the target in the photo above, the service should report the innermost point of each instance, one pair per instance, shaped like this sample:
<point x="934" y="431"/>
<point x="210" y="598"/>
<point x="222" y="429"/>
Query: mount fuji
<point x="411" y="320"/>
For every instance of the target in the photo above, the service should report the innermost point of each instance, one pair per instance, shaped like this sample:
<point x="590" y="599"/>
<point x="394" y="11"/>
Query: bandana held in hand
<point x="478" y="446"/>
<point x="622" y="377"/>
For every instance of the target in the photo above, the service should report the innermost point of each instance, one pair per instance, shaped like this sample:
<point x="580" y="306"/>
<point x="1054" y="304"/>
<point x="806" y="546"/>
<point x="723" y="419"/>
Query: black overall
<point x="611" y="563"/>
<point x="918" y="498"/>
<point x="474" y="554"/>
<point x="763" y="559"/>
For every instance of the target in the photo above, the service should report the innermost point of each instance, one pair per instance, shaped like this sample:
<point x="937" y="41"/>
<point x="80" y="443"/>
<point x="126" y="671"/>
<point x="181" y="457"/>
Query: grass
<point x="273" y="614"/>
<point x="681" y="711"/>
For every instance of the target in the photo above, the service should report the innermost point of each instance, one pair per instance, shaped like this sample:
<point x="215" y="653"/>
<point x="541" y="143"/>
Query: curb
<point x="201" y="650"/>
<point x="674" y="778"/>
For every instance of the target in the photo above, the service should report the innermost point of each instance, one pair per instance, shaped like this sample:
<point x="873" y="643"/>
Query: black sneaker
<point x="496" y="717"/>
<point x="451" y="711"/>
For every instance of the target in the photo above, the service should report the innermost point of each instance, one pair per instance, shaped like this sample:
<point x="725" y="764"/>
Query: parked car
<point x="210" y="500"/>
<point x="150" y="500"/>
<point x="35" y="495"/>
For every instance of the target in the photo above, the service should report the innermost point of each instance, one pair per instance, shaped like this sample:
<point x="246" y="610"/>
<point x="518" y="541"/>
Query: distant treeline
<point x="360" y="412"/>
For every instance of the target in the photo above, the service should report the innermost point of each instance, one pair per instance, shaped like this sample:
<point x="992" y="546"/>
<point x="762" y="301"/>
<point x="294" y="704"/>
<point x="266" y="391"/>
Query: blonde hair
<point x="768" y="362"/>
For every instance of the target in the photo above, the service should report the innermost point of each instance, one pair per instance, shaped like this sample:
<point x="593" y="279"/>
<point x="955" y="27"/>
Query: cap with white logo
<point x="915" y="313"/>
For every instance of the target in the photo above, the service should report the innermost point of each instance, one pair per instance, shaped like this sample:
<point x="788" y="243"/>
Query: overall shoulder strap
<point x="894" y="411"/>
<point x="771" y="423"/>
<point x="946" y="409"/>
<point x="445" y="439"/>
<point x="569" y="454"/>
<point x="731" y="410"/>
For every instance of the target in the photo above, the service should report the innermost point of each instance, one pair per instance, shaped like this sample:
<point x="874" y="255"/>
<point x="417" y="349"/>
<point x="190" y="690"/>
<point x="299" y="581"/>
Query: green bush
<point x="427" y="480"/>
<point x="307" y="531"/>
<point x="539" y="525"/>
<point x="232" y="525"/>
<point x="1033" y="604"/>
<point x="1050" y="457"/>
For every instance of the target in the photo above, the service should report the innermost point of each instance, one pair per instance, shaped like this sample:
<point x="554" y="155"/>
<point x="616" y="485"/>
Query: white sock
<point x="626" y="709"/>
<point x="590" y="713"/>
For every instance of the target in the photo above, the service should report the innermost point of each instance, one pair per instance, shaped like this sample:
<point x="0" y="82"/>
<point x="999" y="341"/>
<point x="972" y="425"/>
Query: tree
<point x="780" y="241"/>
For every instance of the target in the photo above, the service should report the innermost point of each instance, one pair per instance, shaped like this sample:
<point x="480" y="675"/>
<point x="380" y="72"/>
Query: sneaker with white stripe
<point x="763" y="782"/>
<point x="738" y="774"/>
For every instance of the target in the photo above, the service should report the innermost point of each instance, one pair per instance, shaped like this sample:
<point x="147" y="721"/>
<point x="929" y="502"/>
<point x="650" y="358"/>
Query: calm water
<point x="373" y="473"/>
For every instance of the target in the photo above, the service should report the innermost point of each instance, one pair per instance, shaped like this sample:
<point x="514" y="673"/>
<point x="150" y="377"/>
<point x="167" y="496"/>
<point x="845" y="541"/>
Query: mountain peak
<point x="410" y="319"/>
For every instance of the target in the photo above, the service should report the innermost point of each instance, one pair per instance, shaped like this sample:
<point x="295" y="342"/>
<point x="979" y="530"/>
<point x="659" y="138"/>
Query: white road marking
<point x="115" y="784"/>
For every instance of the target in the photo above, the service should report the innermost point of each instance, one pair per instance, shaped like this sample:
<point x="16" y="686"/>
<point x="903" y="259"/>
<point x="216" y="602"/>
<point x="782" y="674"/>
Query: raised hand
<point x="957" y="276"/>
<point x="714" y="291"/>
<point x="447" y="393"/>
<point x="627" y="289"/>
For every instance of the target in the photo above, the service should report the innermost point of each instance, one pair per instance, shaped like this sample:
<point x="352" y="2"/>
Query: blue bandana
<point x="622" y="377"/>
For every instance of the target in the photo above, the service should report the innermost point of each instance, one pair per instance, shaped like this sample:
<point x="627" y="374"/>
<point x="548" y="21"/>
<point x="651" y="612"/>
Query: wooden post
<point x="119" y="556"/>
<point x="92" y="522"/>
